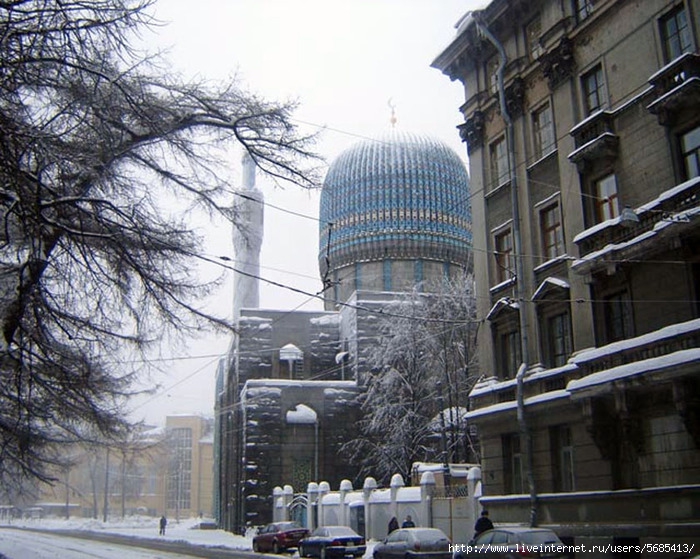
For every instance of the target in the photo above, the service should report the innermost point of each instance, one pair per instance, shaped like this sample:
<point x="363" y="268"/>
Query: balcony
<point x="661" y="221"/>
<point x="676" y="87"/>
<point x="626" y="354"/>
<point x="594" y="139"/>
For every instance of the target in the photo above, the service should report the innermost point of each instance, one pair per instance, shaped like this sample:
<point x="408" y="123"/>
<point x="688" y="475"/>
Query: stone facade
<point x="594" y="283"/>
<point x="280" y="360"/>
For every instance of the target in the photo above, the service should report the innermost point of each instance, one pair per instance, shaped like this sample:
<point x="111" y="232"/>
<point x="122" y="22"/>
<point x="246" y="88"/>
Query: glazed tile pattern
<point x="400" y="196"/>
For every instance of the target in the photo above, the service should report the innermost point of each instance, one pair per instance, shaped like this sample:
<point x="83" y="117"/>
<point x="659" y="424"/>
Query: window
<point x="543" y="131"/>
<point x="675" y="34"/>
<point x="618" y="317"/>
<point x="509" y="354"/>
<point x="606" y="201"/>
<point x="559" y="338"/>
<point x="512" y="464"/>
<point x="291" y="362"/>
<point x="562" y="455"/>
<point x="179" y="483"/>
<point x="583" y="9"/>
<point x="593" y="90"/>
<point x="505" y="263"/>
<point x="551" y="230"/>
<point x="690" y="147"/>
<point x="499" y="162"/>
<point x="532" y="36"/>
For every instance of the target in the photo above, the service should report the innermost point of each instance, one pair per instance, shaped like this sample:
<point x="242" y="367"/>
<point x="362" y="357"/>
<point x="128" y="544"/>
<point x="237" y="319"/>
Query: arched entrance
<point x="298" y="509"/>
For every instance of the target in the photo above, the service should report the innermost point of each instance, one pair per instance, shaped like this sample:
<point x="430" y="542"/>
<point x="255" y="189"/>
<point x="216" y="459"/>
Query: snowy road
<point x="19" y="544"/>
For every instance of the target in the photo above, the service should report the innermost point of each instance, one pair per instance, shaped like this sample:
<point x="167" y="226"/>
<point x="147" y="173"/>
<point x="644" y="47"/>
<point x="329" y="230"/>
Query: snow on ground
<point x="146" y="527"/>
<point x="143" y="527"/>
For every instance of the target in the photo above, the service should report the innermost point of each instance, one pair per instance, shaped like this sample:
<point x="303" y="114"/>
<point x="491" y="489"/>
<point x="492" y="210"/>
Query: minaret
<point x="247" y="240"/>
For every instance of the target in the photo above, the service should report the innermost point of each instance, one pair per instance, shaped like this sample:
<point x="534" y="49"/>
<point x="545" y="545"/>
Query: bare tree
<point x="96" y="143"/>
<point x="420" y="368"/>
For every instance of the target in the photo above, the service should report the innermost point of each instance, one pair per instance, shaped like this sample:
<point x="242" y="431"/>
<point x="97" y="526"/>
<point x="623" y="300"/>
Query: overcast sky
<point x="344" y="61"/>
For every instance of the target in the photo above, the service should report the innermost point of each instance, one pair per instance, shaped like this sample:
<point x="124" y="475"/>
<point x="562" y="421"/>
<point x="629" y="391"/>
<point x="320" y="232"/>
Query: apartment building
<point x="582" y="125"/>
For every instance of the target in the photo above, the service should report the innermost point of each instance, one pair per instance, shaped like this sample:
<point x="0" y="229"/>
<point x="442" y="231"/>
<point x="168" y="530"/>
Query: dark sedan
<point x="414" y="543"/>
<point x="504" y="543"/>
<point x="278" y="537"/>
<point x="332" y="541"/>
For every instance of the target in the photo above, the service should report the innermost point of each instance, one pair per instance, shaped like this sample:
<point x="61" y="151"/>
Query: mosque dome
<point x="400" y="196"/>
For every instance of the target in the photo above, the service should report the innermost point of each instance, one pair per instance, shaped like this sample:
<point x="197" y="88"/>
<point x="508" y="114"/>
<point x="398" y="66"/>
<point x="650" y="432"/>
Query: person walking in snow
<point x="484" y="523"/>
<point x="163" y="524"/>
<point x="408" y="523"/>
<point x="393" y="524"/>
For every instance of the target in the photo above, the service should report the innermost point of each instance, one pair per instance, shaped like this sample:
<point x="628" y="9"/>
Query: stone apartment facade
<point x="592" y="136"/>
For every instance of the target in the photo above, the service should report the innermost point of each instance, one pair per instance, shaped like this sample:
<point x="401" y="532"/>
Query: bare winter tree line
<point x="96" y="140"/>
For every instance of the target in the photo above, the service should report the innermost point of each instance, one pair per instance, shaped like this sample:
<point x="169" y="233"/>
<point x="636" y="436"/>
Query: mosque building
<point x="394" y="214"/>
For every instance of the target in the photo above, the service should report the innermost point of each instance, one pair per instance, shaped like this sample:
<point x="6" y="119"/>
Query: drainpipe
<point x="525" y="435"/>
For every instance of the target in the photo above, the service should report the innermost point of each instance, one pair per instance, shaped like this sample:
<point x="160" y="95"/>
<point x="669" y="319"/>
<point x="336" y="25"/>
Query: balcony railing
<point x="675" y="87"/>
<point x="672" y="207"/>
<point x="665" y="341"/>
<point x="594" y="138"/>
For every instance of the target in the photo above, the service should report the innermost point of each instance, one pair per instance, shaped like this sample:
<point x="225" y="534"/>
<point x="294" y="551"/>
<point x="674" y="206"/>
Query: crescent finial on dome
<point x="393" y="111"/>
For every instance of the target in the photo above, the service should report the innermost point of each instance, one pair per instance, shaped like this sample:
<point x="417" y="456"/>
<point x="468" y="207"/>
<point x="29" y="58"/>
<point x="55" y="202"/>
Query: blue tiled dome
<point x="399" y="196"/>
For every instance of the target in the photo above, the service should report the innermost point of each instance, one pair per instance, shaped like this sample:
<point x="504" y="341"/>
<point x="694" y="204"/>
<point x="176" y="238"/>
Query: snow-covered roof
<point x="552" y="262"/>
<point x="328" y="319"/>
<point x="501" y="226"/>
<point x="501" y="285"/>
<point x="489" y="385"/>
<point x="549" y="283"/>
<point x="427" y="467"/>
<point x="285" y="383"/>
<point x="542" y="374"/>
<point x="546" y="397"/>
<point x="504" y="303"/>
<point x="489" y="410"/>
<point x="253" y="390"/>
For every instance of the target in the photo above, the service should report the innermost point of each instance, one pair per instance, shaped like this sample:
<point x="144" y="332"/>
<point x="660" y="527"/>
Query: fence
<point x="368" y="511"/>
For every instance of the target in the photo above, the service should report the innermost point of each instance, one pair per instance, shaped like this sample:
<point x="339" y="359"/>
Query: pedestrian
<point x="484" y="523"/>
<point x="393" y="524"/>
<point x="163" y="524"/>
<point x="408" y="523"/>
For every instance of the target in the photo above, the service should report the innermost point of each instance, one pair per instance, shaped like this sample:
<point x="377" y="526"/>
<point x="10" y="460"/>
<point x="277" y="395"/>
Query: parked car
<point x="332" y="541"/>
<point x="506" y="543"/>
<point x="414" y="543"/>
<point x="278" y="537"/>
